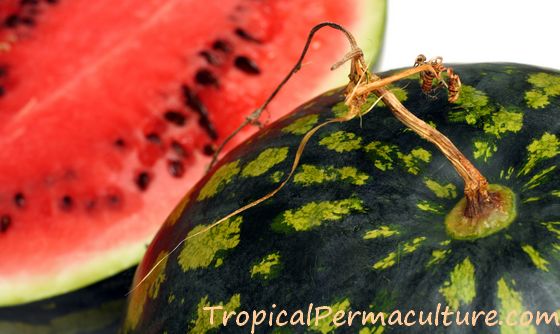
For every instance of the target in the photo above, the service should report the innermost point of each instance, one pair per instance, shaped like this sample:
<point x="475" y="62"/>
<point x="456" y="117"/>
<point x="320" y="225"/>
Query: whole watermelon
<point x="361" y="225"/>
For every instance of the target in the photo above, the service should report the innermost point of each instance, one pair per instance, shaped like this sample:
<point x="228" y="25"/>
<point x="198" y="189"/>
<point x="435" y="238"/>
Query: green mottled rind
<point x="381" y="232"/>
<point x="208" y="246"/>
<point x="309" y="175"/>
<point x="394" y="257"/>
<point x="460" y="288"/>
<point x="386" y="156"/>
<point x="302" y="125"/>
<point x="363" y="218"/>
<point x="510" y="301"/>
<point x="265" y="161"/>
<point x="546" y="86"/>
<point x="268" y="267"/>
<point x="543" y="148"/>
<point x="218" y="180"/>
<point x="341" y="141"/>
<point x="536" y="257"/>
<point x="314" y="214"/>
<point x="442" y="191"/>
<point x="483" y="150"/>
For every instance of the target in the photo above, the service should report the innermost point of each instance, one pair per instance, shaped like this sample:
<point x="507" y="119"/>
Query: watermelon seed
<point x="206" y="78"/>
<point x="119" y="142"/>
<point x="176" y="168"/>
<point x="192" y="101"/>
<point x="210" y="130"/>
<point x="66" y="202"/>
<point x="143" y="180"/>
<point x="19" y="200"/>
<point x="11" y="21"/>
<point x="210" y="58"/>
<point x="208" y="149"/>
<point x="52" y="2"/>
<point x="153" y="138"/>
<point x="246" y="65"/>
<point x="221" y="45"/>
<point x="246" y="36"/>
<point x="2" y="91"/>
<point x="5" y="222"/>
<point x="174" y="117"/>
<point x="178" y="149"/>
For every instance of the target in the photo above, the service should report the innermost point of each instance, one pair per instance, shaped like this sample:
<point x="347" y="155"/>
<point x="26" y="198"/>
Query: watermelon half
<point x="110" y="111"/>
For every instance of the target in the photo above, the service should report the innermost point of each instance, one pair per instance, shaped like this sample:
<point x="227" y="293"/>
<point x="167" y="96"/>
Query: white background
<point x="472" y="31"/>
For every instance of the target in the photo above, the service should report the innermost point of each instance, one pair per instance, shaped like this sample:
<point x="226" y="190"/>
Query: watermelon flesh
<point x="110" y="112"/>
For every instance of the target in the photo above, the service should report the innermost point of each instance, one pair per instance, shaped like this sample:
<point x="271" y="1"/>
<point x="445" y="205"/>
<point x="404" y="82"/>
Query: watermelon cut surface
<point x="110" y="112"/>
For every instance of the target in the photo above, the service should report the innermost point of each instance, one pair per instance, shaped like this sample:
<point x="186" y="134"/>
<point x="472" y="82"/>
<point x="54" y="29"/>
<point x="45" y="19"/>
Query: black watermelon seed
<point x="2" y="91"/>
<point x="29" y="2"/>
<point x="206" y="78"/>
<point x="174" y="117"/>
<point x="246" y="36"/>
<point x="143" y="180"/>
<point x="209" y="149"/>
<point x="153" y="138"/>
<point x="178" y="149"/>
<point x="11" y="21"/>
<point x="66" y="202"/>
<point x="208" y="127"/>
<point x="119" y="142"/>
<point x="19" y="200"/>
<point x="193" y="101"/>
<point x="246" y="65"/>
<point x="210" y="58"/>
<point x="176" y="168"/>
<point x="221" y="45"/>
<point x="5" y="222"/>
<point x="52" y="2"/>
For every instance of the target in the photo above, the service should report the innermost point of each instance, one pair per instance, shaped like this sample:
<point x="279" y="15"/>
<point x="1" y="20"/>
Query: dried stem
<point x="476" y="185"/>
<point x="255" y="115"/>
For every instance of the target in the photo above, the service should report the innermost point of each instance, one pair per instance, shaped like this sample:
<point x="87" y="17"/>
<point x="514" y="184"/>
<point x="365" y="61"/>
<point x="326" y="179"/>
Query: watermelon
<point x="96" y="309"/>
<point x="369" y="220"/>
<point x="111" y="111"/>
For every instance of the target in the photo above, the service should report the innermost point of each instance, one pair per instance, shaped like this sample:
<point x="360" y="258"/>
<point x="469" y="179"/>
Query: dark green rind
<point x="97" y="309"/>
<point x="333" y="262"/>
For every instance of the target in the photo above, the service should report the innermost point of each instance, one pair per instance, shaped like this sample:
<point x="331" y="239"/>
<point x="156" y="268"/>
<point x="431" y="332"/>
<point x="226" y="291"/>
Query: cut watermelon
<point x="111" y="109"/>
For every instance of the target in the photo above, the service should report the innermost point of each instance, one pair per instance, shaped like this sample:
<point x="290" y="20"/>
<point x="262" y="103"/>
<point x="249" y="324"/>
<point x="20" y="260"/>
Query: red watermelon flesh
<point x="110" y="110"/>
